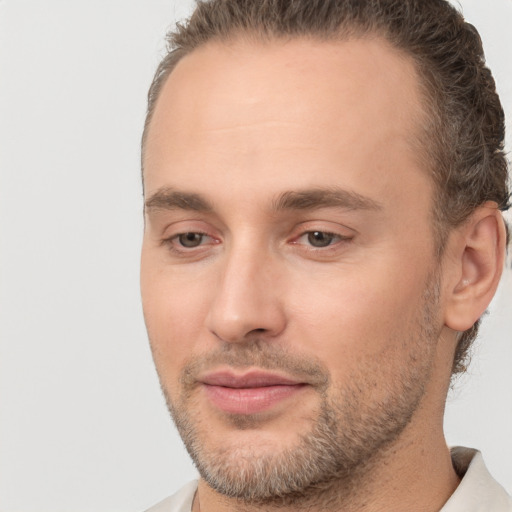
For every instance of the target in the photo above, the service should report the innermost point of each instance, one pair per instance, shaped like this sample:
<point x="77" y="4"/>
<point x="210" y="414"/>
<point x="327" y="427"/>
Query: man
<point x="323" y="182"/>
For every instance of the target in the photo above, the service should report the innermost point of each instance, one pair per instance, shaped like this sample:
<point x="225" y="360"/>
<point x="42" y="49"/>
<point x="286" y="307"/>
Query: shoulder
<point x="181" y="501"/>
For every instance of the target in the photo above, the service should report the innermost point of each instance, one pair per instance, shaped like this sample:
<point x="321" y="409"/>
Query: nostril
<point x="258" y="331"/>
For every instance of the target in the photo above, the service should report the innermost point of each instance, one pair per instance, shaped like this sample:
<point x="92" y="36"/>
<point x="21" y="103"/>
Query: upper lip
<point x="252" y="379"/>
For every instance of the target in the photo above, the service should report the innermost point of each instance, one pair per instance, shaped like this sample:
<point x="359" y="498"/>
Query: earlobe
<point x="479" y="254"/>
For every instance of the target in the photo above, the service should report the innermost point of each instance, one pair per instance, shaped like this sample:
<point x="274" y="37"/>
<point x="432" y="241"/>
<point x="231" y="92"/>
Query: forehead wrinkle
<point x="168" y="198"/>
<point x="324" y="198"/>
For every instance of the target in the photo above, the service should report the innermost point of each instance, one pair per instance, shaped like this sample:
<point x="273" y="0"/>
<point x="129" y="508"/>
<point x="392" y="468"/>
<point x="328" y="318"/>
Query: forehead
<point x="245" y="108"/>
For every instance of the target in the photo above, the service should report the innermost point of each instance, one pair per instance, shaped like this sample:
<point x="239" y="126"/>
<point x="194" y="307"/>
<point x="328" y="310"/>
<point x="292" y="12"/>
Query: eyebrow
<point x="170" y="199"/>
<point x="316" y="198"/>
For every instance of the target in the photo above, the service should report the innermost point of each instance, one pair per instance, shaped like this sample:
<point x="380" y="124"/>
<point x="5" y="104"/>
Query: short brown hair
<point x="464" y="139"/>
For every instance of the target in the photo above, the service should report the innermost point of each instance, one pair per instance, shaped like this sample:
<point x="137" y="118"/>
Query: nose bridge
<point x="246" y="301"/>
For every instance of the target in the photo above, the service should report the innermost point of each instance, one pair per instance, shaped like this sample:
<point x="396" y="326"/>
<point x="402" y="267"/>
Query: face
<point x="288" y="279"/>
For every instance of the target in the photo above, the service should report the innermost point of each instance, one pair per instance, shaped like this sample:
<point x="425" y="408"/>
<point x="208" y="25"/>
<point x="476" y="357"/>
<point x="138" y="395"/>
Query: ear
<point x="477" y="255"/>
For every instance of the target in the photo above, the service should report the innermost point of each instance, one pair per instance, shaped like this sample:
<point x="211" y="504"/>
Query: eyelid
<point x="324" y="226"/>
<point x="187" y="225"/>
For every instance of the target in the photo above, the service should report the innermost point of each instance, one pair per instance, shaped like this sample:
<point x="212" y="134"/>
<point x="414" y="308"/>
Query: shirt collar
<point x="477" y="491"/>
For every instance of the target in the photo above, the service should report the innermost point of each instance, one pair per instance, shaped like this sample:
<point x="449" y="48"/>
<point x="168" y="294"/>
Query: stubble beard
<point x="350" y="434"/>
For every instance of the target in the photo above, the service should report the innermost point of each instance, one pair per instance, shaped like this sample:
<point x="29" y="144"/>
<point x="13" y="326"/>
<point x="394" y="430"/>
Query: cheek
<point x="365" y="333"/>
<point x="360" y="313"/>
<point x="174" y="313"/>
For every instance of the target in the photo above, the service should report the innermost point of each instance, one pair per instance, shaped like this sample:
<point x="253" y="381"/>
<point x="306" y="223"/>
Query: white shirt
<point x="477" y="491"/>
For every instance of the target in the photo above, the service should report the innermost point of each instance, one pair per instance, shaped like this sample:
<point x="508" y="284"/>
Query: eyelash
<point x="174" y="245"/>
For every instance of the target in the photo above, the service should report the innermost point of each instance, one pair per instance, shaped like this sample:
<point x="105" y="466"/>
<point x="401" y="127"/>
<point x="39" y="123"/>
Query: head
<point x="320" y="179"/>
<point x="462" y="138"/>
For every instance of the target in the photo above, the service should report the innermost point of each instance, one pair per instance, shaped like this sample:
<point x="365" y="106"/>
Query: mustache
<point x="257" y="354"/>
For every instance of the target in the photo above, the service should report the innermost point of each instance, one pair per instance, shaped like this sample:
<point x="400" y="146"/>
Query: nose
<point x="247" y="302"/>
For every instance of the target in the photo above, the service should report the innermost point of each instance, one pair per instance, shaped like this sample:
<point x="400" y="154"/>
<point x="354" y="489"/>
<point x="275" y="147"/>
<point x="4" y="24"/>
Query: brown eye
<point x="191" y="240"/>
<point x="320" y="238"/>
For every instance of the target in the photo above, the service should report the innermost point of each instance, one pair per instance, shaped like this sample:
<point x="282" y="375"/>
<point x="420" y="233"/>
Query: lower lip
<point x="249" y="400"/>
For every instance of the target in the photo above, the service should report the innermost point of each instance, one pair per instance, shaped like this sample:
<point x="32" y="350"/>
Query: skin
<point x="239" y="126"/>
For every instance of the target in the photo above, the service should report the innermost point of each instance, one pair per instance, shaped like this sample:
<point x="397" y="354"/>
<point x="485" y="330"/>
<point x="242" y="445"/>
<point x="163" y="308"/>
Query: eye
<point x="317" y="241"/>
<point x="321" y="238"/>
<point x="190" y="240"/>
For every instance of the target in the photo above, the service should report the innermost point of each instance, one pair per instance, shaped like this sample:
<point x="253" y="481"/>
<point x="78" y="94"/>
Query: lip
<point x="253" y="379"/>
<point x="248" y="393"/>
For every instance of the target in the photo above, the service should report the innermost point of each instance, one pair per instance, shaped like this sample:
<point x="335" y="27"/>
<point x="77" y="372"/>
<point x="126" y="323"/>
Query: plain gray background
<point x="83" y="426"/>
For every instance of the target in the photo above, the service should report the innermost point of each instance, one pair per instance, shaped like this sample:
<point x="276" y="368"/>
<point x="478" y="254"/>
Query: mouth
<point x="248" y="393"/>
